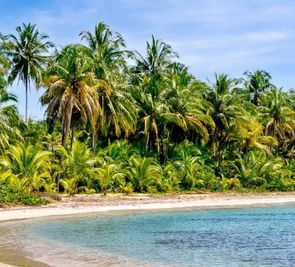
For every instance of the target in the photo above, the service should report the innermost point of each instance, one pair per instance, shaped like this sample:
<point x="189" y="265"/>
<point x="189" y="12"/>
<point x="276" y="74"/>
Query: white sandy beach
<point x="94" y="204"/>
<point x="82" y="204"/>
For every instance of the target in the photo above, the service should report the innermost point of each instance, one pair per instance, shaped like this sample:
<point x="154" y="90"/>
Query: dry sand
<point x="96" y="203"/>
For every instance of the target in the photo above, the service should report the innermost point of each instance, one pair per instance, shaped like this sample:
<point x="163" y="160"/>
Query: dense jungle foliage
<point x="120" y="121"/>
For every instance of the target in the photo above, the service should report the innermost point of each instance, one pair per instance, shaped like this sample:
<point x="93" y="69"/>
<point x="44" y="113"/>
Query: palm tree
<point x="255" y="168"/>
<point x="118" y="112"/>
<point x="27" y="54"/>
<point x="249" y="134"/>
<point x="77" y="168"/>
<point x="107" y="174"/>
<point x="192" y="166"/>
<point x="143" y="173"/>
<point x="188" y="110"/>
<point x="27" y="165"/>
<point x="148" y="81"/>
<point x="279" y="116"/>
<point x="257" y="83"/>
<point x="226" y="111"/>
<point x="8" y="117"/>
<point x="108" y="52"/>
<point x="71" y="95"/>
<point x="4" y="62"/>
<point x="158" y="57"/>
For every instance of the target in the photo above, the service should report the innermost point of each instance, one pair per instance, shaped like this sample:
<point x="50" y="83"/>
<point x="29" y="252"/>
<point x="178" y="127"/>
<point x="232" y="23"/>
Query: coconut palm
<point x="257" y="83"/>
<point x="77" y="168"/>
<point x="27" y="166"/>
<point x="279" y="116"/>
<point x="226" y="111"/>
<point x="70" y="90"/>
<point x="158" y="57"/>
<point x="192" y="166"/>
<point x="8" y="117"/>
<point x="188" y="110"/>
<point x="107" y="174"/>
<point x="27" y="53"/>
<point x="257" y="169"/>
<point x="108" y="52"/>
<point x="118" y="113"/>
<point x="144" y="173"/>
<point x="148" y="80"/>
<point x="249" y="134"/>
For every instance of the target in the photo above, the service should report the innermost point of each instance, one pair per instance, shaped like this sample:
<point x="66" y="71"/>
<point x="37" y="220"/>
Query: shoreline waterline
<point x="90" y="204"/>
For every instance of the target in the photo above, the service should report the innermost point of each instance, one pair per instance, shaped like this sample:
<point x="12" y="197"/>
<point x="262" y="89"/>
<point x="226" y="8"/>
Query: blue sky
<point x="228" y="36"/>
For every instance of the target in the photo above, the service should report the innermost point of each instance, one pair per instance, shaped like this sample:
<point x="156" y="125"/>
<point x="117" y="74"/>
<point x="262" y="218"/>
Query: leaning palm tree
<point x="27" y="54"/>
<point x="71" y="95"/>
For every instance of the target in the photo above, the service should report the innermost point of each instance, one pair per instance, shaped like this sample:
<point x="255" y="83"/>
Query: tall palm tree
<point x="148" y="80"/>
<point x="118" y="112"/>
<point x="70" y="89"/>
<point x="226" y="111"/>
<point x="27" y="53"/>
<point x="188" y="110"/>
<point x="108" y="52"/>
<point x="257" y="83"/>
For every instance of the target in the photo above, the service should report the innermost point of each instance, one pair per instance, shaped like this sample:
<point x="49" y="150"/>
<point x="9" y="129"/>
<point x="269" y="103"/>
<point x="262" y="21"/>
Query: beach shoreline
<point x="87" y="204"/>
<point x="82" y="204"/>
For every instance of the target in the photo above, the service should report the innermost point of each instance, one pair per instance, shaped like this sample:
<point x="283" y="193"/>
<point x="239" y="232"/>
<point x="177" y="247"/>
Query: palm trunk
<point x="94" y="140"/>
<point x="26" y="105"/>
<point x="72" y="138"/>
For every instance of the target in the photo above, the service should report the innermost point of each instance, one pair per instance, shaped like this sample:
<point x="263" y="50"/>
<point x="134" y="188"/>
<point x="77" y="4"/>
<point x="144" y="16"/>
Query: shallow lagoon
<point x="218" y="237"/>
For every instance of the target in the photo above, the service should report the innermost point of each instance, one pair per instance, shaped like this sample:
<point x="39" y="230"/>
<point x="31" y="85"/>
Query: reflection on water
<point x="236" y="237"/>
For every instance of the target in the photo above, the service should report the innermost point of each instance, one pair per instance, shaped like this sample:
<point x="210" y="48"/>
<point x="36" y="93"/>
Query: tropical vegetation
<point x="120" y="121"/>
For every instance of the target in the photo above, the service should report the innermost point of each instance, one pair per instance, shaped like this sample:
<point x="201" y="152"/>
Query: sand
<point x="96" y="203"/>
<point x="82" y="204"/>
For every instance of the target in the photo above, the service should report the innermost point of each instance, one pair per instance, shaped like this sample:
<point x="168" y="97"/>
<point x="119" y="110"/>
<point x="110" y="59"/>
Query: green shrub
<point x="276" y="185"/>
<point x="289" y="184"/>
<point x="257" y="182"/>
<point x="10" y="196"/>
<point x="215" y="185"/>
<point x="231" y="184"/>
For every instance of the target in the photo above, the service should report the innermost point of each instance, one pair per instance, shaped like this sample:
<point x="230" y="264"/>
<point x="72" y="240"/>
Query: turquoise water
<point x="223" y="237"/>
